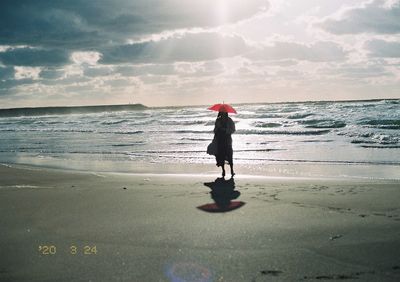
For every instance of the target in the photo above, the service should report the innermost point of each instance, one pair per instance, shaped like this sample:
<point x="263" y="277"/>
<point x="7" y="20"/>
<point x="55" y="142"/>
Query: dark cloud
<point x="371" y="18"/>
<point x="382" y="48"/>
<point x="76" y="24"/>
<point x="34" y="57"/>
<point x="45" y="23"/>
<point x="188" y="48"/>
<point x="317" y="52"/>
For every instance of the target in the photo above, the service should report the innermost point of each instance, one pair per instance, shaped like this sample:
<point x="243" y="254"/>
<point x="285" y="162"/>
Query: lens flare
<point x="188" y="272"/>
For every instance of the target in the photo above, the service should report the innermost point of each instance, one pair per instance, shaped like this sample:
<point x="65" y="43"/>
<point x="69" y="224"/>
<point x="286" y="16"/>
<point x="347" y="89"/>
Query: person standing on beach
<point x="224" y="128"/>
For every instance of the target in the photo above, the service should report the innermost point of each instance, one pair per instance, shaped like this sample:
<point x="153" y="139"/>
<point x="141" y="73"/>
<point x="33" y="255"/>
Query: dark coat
<point x="224" y="127"/>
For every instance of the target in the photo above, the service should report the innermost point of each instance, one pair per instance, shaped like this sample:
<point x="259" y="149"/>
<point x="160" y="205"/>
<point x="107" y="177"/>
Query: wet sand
<point x="59" y="225"/>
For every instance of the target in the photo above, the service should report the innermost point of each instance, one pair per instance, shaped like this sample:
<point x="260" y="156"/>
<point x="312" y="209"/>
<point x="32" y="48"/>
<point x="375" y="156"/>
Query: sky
<point x="174" y="52"/>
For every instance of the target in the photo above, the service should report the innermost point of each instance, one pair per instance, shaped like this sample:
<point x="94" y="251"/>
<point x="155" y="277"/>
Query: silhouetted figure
<point x="224" y="127"/>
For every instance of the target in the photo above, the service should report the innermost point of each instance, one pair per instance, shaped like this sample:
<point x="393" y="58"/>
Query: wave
<point x="377" y="139"/>
<point x="114" y="121"/>
<point x="359" y="104"/>
<point x="203" y="151"/>
<point x="124" y="132"/>
<point x="42" y="111"/>
<point x="323" y="123"/>
<point x="258" y="150"/>
<point x="382" y="123"/>
<point x="260" y="116"/>
<point x="299" y="115"/>
<point x="173" y="151"/>
<point x="185" y="122"/>
<point x="288" y="109"/>
<point x="323" y="161"/>
<point x="192" y="114"/>
<point x="196" y="139"/>
<point x="266" y="124"/>
<point x="282" y="132"/>
<point x="46" y="130"/>
<point x="183" y="131"/>
<point x="189" y="131"/>
<point x="40" y="122"/>
<point x="69" y="130"/>
<point x="317" y="141"/>
<point x="381" y="146"/>
<point x="142" y="122"/>
<point x="395" y="102"/>
<point x="129" y="144"/>
<point x="356" y="141"/>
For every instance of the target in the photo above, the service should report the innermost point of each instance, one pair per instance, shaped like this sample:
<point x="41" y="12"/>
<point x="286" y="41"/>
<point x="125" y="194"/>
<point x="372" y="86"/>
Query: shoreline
<point x="204" y="175"/>
<point x="276" y="170"/>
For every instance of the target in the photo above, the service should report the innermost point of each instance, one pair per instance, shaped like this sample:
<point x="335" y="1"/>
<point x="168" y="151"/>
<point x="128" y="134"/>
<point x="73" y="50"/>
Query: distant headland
<point x="42" y="111"/>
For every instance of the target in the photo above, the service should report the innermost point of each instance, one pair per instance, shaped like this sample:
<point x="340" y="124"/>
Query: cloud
<point x="373" y="17"/>
<point x="382" y="48"/>
<point x="76" y="24"/>
<point x="88" y="57"/>
<point x="317" y="52"/>
<point x="190" y="47"/>
<point x="34" y="57"/>
<point x="27" y="72"/>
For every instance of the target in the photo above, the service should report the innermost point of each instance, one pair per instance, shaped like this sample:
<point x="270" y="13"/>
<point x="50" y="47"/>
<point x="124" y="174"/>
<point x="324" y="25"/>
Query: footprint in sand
<point x="349" y="276"/>
<point x="334" y="237"/>
<point x="271" y="272"/>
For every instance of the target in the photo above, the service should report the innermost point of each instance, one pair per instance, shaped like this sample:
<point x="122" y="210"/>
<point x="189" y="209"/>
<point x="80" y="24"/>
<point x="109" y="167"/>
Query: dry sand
<point x="147" y="227"/>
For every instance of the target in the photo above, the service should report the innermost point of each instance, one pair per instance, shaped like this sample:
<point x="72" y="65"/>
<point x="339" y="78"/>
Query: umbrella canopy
<point x="223" y="108"/>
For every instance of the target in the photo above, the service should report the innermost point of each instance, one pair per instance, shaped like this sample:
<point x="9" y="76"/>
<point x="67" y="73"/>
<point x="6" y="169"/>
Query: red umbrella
<point x="223" y="108"/>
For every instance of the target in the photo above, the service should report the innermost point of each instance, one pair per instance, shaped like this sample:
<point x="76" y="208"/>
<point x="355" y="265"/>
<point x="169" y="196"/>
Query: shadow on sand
<point x="222" y="192"/>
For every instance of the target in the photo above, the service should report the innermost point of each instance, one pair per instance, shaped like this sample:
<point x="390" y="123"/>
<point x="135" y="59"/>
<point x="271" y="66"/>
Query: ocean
<point x="356" y="133"/>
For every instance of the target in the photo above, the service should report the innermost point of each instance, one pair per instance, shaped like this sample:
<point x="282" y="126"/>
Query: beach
<point x="63" y="225"/>
<point x="199" y="141"/>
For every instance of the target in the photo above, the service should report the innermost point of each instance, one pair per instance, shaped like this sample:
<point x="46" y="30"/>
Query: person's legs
<point x="223" y="170"/>
<point x="229" y="155"/>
